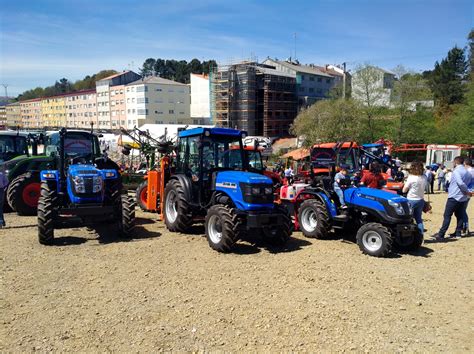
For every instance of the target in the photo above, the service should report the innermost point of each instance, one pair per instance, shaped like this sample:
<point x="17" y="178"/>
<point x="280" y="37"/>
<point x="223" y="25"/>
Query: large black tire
<point x="177" y="213"/>
<point x="416" y="243"/>
<point x="126" y="222"/>
<point x="47" y="205"/>
<point x="279" y="235"/>
<point x="141" y="195"/>
<point x="374" y="239"/>
<point x="313" y="219"/>
<point x="223" y="228"/>
<point x="15" y="195"/>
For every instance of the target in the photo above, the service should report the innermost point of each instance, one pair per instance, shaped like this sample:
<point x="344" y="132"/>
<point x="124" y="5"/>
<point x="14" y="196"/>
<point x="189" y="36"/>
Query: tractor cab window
<point x="76" y="144"/>
<point x="188" y="156"/>
<point x="11" y="146"/>
<point x="322" y="157"/>
<point x="255" y="160"/>
<point x="222" y="153"/>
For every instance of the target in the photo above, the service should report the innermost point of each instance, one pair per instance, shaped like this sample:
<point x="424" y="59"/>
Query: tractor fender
<point x="186" y="183"/>
<point x="322" y="197"/>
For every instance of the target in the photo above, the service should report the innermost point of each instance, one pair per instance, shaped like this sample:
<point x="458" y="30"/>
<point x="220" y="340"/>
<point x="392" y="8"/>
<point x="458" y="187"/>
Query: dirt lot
<point x="165" y="291"/>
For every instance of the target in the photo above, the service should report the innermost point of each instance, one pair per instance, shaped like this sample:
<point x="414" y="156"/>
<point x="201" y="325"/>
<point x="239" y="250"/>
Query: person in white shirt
<point x="415" y="186"/>
<point x="289" y="175"/>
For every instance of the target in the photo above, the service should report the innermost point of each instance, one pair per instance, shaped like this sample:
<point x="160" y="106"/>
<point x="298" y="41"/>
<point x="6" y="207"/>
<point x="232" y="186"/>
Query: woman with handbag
<point x="415" y="189"/>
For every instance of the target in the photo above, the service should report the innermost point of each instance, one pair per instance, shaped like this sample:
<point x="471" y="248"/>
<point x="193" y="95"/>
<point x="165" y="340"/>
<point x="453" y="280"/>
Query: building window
<point x="311" y="78"/>
<point x="170" y="90"/>
<point x="159" y="89"/>
<point x="328" y="81"/>
<point x="302" y="77"/>
<point x="311" y="89"/>
<point x="171" y="100"/>
<point x="142" y="88"/>
<point x="319" y="79"/>
<point x="301" y="89"/>
<point x="142" y="100"/>
<point x="171" y="111"/>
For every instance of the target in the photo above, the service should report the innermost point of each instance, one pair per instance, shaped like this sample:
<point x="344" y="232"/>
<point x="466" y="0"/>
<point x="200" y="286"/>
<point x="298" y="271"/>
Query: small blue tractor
<point x="380" y="219"/>
<point x="86" y="185"/>
<point x="210" y="182"/>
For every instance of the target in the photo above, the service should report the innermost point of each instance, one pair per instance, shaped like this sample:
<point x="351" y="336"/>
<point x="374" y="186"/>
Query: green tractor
<point x="14" y="147"/>
<point x="24" y="189"/>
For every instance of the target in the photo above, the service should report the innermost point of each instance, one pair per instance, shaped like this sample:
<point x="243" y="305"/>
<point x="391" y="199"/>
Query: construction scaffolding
<point x="253" y="97"/>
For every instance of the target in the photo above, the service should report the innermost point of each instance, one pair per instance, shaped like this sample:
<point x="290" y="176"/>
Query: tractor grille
<point x="88" y="184"/>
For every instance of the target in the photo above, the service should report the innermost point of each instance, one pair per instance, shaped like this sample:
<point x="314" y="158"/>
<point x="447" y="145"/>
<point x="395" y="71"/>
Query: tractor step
<point x="341" y="218"/>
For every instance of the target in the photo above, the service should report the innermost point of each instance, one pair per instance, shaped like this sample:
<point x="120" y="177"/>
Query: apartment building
<point x="13" y="115"/>
<point x="312" y="84"/>
<point x="154" y="100"/>
<point x="111" y="99"/>
<point x="53" y="111"/>
<point x="254" y="97"/>
<point x="3" y="116"/>
<point x="31" y="114"/>
<point x="200" y="99"/>
<point x="81" y="109"/>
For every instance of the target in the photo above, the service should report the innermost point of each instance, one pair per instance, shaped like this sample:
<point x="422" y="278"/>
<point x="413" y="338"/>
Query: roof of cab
<point x="345" y="145"/>
<point x="212" y="131"/>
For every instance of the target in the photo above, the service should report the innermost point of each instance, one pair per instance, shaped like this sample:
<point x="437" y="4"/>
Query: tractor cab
<point x="80" y="187"/>
<point x="211" y="179"/>
<point x="12" y="144"/>
<point x="324" y="156"/>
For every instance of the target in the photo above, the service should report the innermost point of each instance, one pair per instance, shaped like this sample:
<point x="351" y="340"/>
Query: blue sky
<point x="42" y="41"/>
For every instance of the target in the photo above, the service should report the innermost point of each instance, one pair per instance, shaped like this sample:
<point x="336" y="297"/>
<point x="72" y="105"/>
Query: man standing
<point x="458" y="194"/>
<point x="470" y="171"/>
<point x="441" y="174"/>
<point x="429" y="179"/>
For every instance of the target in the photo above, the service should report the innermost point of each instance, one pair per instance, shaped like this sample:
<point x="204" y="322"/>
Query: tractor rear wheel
<point x="47" y="205"/>
<point x="23" y="193"/>
<point x="223" y="228"/>
<point x="279" y="235"/>
<point x="374" y="239"/>
<point x="313" y="219"/>
<point x="141" y="195"/>
<point x="126" y="222"/>
<point x="178" y="217"/>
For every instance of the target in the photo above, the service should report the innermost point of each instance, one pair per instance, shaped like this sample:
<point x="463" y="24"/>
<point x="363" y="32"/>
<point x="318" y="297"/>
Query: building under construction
<point x="253" y="97"/>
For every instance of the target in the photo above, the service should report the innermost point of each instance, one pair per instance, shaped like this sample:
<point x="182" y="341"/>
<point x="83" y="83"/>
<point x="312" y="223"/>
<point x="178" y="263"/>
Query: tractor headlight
<point x="255" y="190"/>
<point x="79" y="184"/>
<point x="96" y="184"/>
<point x="268" y="190"/>
<point x="397" y="206"/>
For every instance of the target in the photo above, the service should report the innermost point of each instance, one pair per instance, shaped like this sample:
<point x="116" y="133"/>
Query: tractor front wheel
<point x="313" y="219"/>
<point x="23" y="193"/>
<point x="141" y="195"/>
<point x="374" y="239"/>
<point x="222" y="227"/>
<point x="127" y="218"/>
<point x="47" y="205"/>
<point x="415" y="244"/>
<point x="176" y="211"/>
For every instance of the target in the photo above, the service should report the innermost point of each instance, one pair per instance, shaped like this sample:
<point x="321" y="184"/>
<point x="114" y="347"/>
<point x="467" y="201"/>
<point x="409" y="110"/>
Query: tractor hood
<point x="248" y="191"/>
<point x="388" y="206"/>
<point x="83" y="170"/>
<point x="242" y="177"/>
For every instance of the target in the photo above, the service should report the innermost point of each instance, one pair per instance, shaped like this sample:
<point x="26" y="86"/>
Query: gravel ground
<point x="164" y="291"/>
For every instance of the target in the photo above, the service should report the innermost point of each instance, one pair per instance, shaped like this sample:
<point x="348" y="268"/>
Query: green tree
<point x="329" y="120"/>
<point x="148" y="68"/>
<point x="367" y="87"/>
<point x="407" y="91"/>
<point x="447" y="78"/>
<point x="459" y="127"/>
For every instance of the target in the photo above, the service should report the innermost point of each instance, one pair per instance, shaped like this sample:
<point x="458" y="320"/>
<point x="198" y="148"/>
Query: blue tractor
<point x="380" y="219"/>
<point x="210" y="182"/>
<point x="86" y="185"/>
